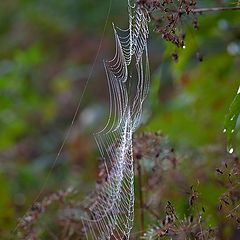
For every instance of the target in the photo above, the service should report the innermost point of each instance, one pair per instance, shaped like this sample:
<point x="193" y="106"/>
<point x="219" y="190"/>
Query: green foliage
<point x="195" y="96"/>
<point x="46" y="52"/>
<point x="231" y="120"/>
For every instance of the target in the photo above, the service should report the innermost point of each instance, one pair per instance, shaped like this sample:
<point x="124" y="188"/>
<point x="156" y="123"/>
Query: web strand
<point x="69" y="130"/>
<point x="111" y="214"/>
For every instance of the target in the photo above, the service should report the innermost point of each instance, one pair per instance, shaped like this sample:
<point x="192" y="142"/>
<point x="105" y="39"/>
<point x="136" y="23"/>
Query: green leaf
<point x="231" y="120"/>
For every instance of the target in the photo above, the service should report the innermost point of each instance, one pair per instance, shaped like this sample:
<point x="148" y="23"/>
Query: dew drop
<point x="232" y="118"/>
<point x="184" y="47"/>
<point x="224" y="130"/>
<point x="238" y="90"/>
<point x="231" y="150"/>
<point x="233" y="131"/>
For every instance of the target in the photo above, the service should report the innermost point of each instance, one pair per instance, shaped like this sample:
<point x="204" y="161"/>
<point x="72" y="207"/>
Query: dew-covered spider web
<point x="111" y="214"/>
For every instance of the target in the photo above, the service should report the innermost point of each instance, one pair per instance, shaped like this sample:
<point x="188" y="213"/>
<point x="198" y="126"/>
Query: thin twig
<point x="178" y="11"/>
<point x="213" y="9"/>
<point x="198" y="10"/>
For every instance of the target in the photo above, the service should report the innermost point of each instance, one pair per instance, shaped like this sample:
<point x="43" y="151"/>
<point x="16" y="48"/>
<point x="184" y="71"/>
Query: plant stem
<point x="139" y="169"/>
<point x="201" y="10"/>
<point x="213" y="9"/>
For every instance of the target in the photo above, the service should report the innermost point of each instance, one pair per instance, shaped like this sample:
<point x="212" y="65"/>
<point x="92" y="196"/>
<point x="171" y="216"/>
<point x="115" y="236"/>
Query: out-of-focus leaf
<point x="231" y="120"/>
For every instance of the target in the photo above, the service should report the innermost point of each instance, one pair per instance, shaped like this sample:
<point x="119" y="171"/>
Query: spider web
<point x="111" y="214"/>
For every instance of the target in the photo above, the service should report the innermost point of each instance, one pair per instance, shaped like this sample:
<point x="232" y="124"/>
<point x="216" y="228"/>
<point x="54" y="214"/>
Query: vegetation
<point x="186" y="151"/>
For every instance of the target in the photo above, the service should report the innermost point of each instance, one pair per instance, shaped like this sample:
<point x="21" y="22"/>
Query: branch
<point x="213" y="9"/>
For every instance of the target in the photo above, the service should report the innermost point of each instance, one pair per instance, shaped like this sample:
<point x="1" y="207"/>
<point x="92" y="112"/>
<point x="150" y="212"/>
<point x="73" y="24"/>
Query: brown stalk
<point x="139" y="169"/>
<point x="213" y="9"/>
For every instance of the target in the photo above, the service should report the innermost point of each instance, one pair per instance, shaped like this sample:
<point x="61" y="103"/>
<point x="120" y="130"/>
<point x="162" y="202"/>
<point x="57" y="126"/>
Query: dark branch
<point x="214" y="9"/>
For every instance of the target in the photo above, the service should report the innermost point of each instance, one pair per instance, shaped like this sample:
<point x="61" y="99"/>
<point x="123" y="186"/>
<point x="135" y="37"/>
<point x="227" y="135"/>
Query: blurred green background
<point x="47" y="49"/>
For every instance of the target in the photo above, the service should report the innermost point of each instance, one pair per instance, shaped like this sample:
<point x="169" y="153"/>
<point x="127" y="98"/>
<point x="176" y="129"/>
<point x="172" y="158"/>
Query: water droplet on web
<point x="224" y="130"/>
<point x="233" y="131"/>
<point x="231" y="150"/>
<point x="184" y="47"/>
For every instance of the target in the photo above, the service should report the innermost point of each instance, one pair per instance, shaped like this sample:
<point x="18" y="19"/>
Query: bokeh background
<point x="47" y="50"/>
